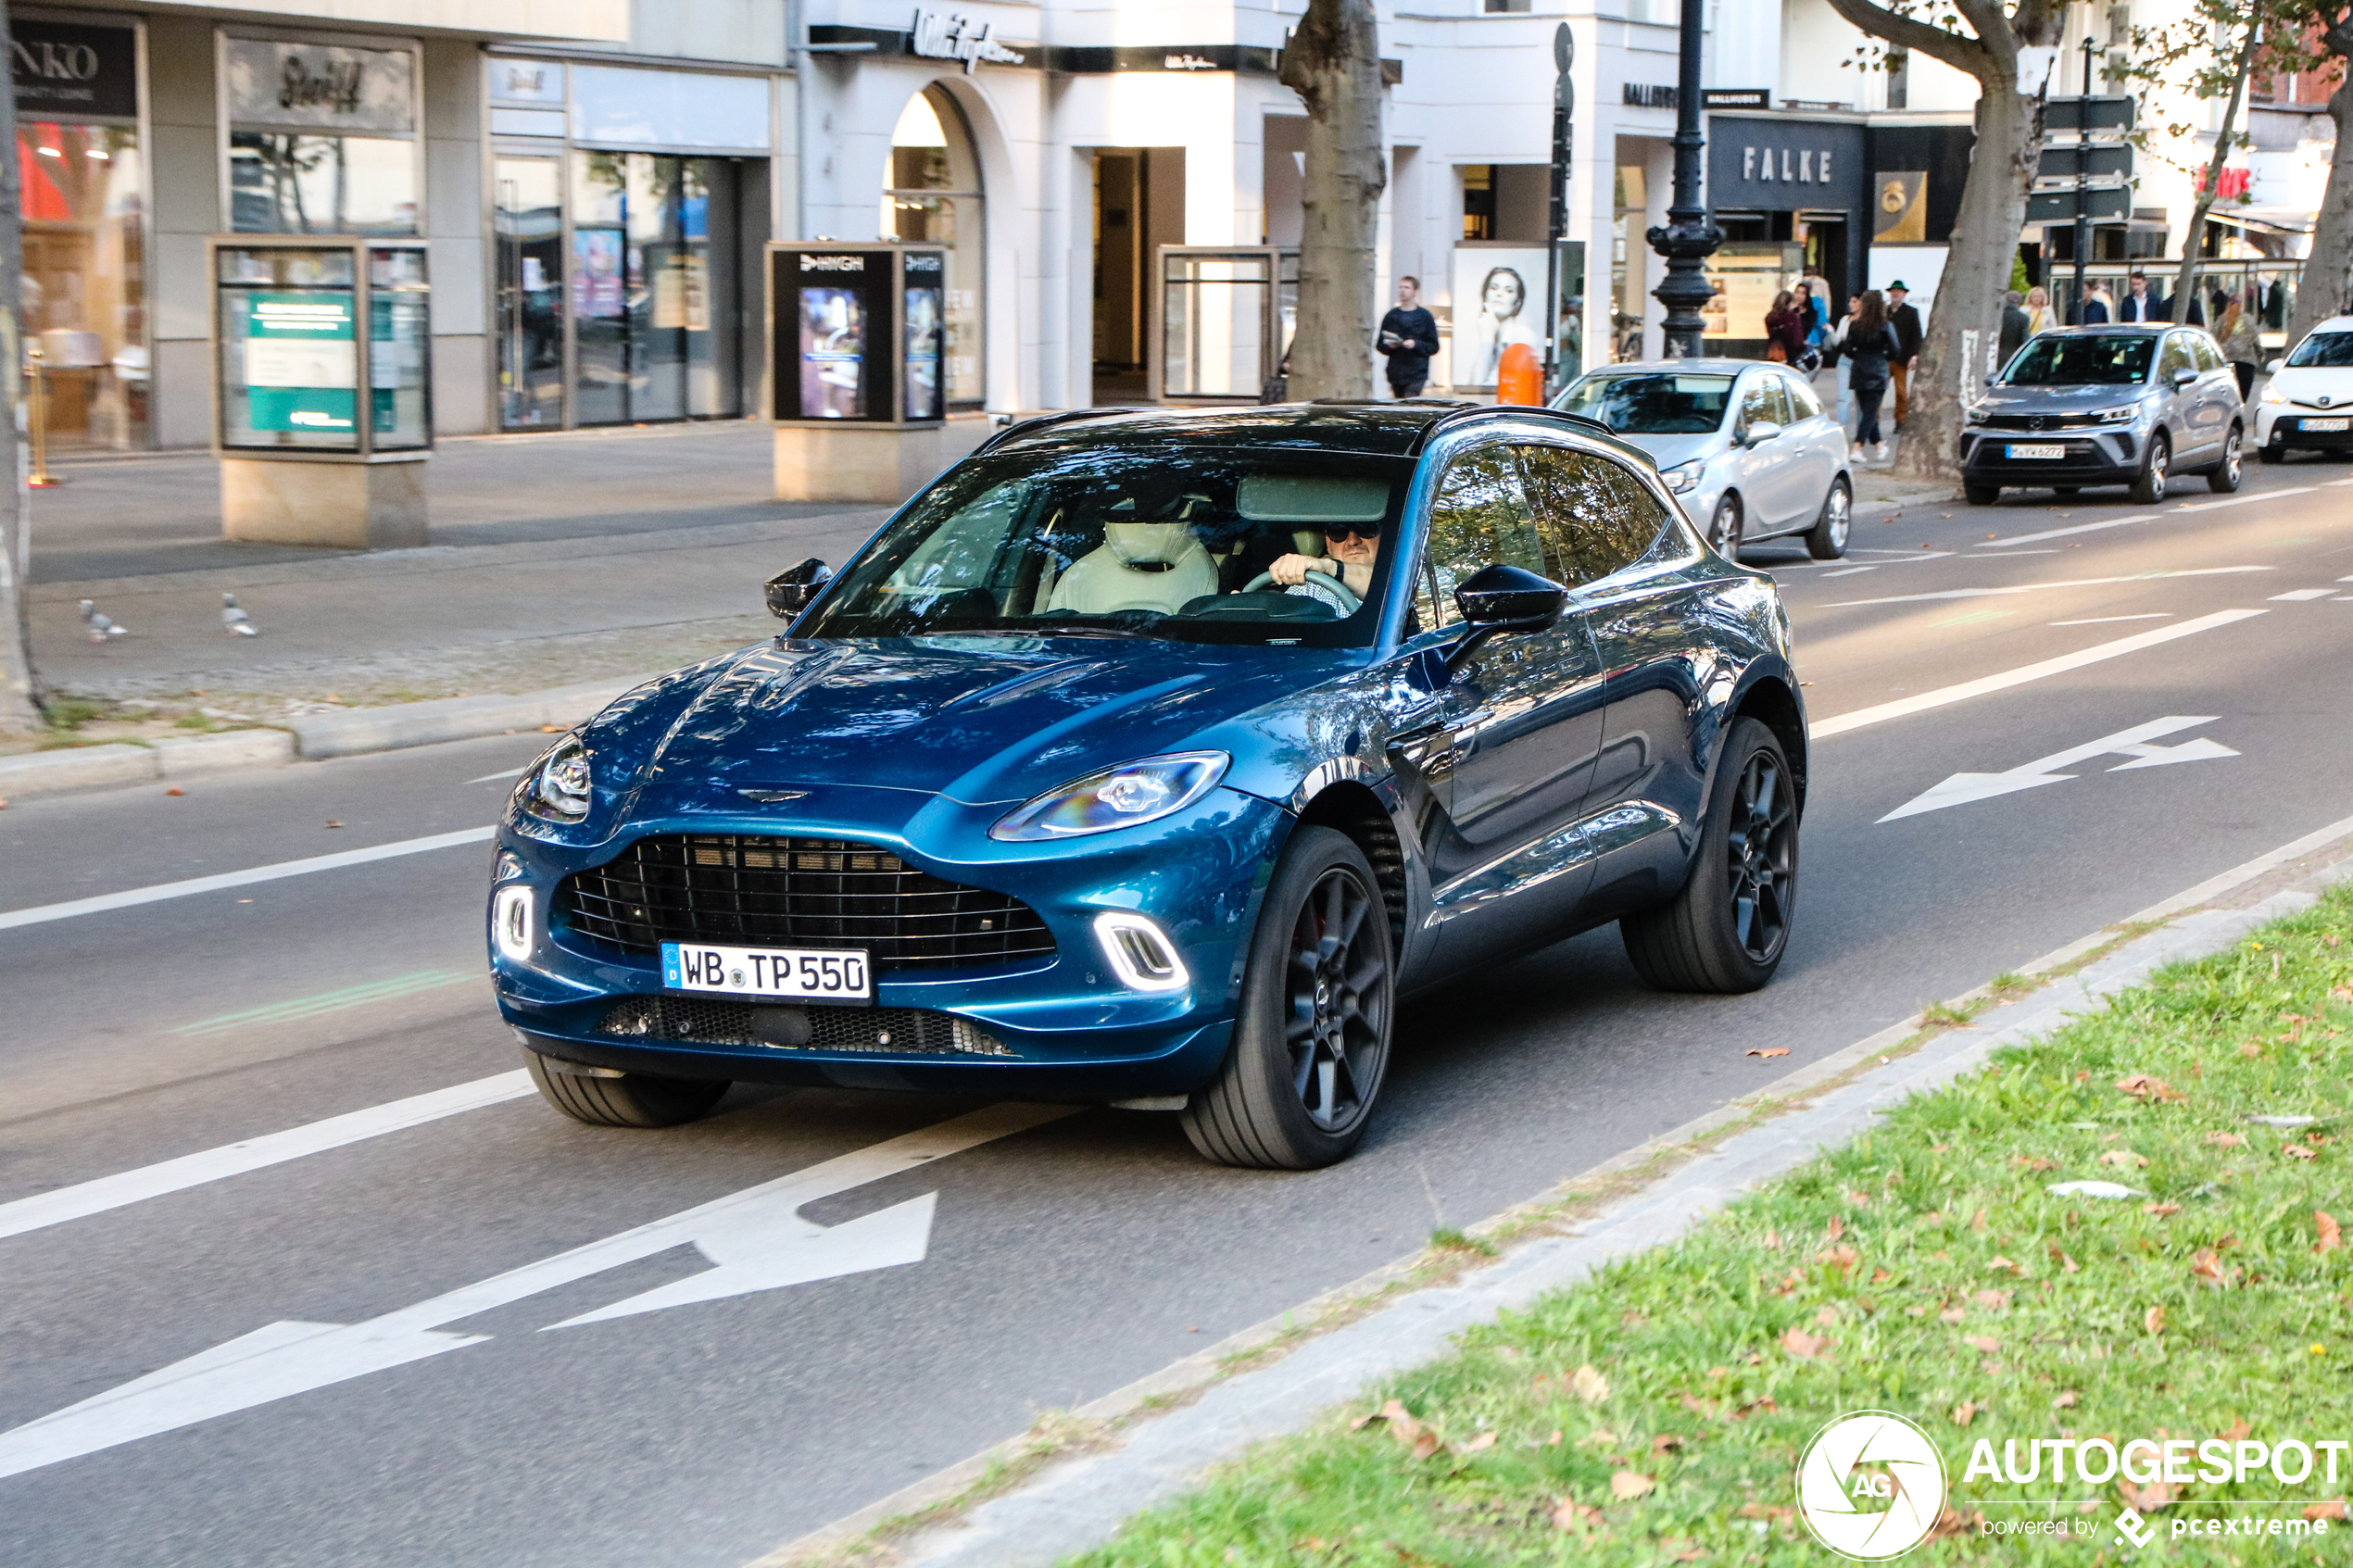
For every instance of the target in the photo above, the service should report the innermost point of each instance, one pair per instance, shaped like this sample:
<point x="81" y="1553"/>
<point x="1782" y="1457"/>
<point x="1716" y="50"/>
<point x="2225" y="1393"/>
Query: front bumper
<point x="1061" y="1027"/>
<point x="2287" y="425"/>
<point x="2092" y="456"/>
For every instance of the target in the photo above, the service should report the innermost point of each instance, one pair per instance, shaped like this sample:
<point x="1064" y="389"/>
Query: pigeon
<point x="101" y="628"/>
<point x="235" y="620"/>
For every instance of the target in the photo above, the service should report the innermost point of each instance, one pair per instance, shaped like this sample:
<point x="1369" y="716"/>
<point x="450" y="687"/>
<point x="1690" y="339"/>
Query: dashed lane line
<point x="2104" y="620"/>
<point x="2242" y="499"/>
<point x="2037" y="587"/>
<point x="2063" y="532"/>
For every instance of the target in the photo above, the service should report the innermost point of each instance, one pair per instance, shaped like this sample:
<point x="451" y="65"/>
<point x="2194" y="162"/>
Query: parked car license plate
<point x="827" y="974"/>
<point x="2051" y="449"/>
<point x="2316" y="426"/>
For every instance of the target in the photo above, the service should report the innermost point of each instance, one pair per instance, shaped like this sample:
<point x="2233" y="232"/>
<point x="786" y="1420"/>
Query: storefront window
<point x="85" y="270"/>
<point x="321" y="138"/>
<point x="933" y="195"/>
<point x="528" y="219"/>
<point x="651" y="294"/>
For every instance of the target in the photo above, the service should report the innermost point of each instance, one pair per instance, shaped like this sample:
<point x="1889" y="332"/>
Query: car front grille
<point x="797" y="893"/>
<point x="892" y="1031"/>
<point x="2039" y="422"/>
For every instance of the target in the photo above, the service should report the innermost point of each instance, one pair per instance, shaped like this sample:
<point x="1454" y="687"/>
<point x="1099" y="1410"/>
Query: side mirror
<point x="1762" y="432"/>
<point x="795" y="588"/>
<point x="1495" y="600"/>
<point x="2184" y="376"/>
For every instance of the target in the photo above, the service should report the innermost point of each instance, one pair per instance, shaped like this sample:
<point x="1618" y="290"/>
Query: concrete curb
<point x="1078" y="1503"/>
<point x="458" y="718"/>
<point x="172" y="758"/>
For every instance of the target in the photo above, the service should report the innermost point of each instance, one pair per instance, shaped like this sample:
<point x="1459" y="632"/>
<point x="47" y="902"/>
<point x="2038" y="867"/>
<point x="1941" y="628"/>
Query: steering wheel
<point x="1316" y="585"/>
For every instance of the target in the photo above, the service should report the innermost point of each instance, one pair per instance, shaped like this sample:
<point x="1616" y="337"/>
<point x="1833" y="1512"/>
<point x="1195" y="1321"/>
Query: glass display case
<point x="1226" y="315"/>
<point x="296" y="374"/>
<point x="856" y="334"/>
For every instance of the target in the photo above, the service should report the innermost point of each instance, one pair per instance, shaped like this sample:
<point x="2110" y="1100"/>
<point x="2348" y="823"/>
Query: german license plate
<point x="799" y="974"/>
<point x="2316" y="426"/>
<point x="2051" y="450"/>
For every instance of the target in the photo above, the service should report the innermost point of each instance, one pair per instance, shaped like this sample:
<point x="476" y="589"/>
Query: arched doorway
<point x="933" y="193"/>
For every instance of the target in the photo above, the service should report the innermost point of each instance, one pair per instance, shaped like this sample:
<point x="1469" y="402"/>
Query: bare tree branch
<point x="1963" y="54"/>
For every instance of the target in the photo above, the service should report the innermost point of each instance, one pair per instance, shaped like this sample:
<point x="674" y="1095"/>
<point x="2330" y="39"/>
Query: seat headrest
<point x="1138" y="544"/>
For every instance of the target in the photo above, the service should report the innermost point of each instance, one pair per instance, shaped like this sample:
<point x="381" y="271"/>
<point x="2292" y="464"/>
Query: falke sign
<point x="68" y="72"/>
<point x="1783" y="165"/>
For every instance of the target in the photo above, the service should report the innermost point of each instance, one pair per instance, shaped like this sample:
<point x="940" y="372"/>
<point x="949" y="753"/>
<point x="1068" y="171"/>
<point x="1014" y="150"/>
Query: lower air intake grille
<point x="797" y="893"/>
<point x="893" y="1031"/>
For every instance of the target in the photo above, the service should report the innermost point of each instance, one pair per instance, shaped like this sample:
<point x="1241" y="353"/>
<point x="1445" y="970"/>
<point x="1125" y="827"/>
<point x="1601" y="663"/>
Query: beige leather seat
<point x="1156" y="566"/>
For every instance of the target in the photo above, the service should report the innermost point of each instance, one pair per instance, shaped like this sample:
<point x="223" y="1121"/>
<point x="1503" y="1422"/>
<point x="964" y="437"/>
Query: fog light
<point x="510" y="922"/>
<point x="1140" y="955"/>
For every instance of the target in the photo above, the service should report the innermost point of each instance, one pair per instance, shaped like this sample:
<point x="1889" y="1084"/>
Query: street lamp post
<point x="2082" y="166"/>
<point x="1691" y="235"/>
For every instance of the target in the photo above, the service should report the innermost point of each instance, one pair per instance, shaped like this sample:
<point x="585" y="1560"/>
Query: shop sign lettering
<point x="1805" y="166"/>
<point x="302" y="86"/>
<point x="833" y="263"/>
<point x="71" y="72"/>
<point x="943" y="36"/>
<point x="335" y="84"/>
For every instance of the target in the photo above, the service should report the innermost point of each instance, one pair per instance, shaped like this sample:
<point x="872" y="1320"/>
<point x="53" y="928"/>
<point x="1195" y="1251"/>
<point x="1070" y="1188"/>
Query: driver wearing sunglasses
<point x="1353" y="548"/>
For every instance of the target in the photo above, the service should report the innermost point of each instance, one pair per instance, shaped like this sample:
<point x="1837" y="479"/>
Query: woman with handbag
<point x="1784" y="329"/>
<point x="1868" y="344"/>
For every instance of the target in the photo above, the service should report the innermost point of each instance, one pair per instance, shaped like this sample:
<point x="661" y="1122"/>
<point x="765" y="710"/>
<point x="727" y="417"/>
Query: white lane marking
<point x="163" y="890"/>
<point x="125" y="1187"/>
<point x="2242" y="500"/>
<point x="1962" y="789"/>
<point x="2299" y="595"/>
<point x="2063" y="532"/>
<point x="2104" y="620"/>
<point x="754" y="1239"/>
<point x="2346" y="579"/>
<point x="2330" y="484"/>
<point x="2038" y="588"/>
<point x="510" y="774"/>
<point x="2035" y="552"/>
<point x="1946" y="696"/>
<point x="1847" y="571"/>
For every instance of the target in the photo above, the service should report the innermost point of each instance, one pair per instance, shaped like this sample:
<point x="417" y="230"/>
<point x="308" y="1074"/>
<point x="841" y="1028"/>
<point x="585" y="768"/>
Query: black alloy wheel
<point x="1311" y="1045"/>
<point x="1728" y="927"/>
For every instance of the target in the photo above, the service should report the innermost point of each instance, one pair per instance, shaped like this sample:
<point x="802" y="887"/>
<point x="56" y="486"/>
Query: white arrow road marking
<point x="1962" y="789"/>
<point x="754" y="1238"/>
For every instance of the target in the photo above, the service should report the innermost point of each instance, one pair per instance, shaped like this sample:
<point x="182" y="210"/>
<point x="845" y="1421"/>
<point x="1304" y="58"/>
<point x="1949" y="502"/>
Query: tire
<point x="1826" y="539"/>
<point x="1311" y="1045"/>
<point x="2148" y="487"/>
<point x="632" y="1099"/>
<point x="1726" y="930"/>
<point x="2066" y="492"/>
<point x="2223" y="477"/>
<point x="1981" y="495"/>
<point x="1724" y="527"/>
<point x="2271" y="454"/>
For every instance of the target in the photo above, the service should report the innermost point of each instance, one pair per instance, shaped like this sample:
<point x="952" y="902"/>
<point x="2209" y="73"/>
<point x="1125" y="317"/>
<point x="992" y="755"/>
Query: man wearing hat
<point x="1906" y="318"/>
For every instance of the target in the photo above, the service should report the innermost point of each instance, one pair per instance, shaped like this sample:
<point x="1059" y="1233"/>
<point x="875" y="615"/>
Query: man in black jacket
<point x="1906" y="318"/>
<point x="2014" y="325"/>
<point x="1408" y="337"/>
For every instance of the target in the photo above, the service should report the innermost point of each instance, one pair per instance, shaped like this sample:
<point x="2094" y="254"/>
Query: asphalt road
<point x="1063" y="1261"/>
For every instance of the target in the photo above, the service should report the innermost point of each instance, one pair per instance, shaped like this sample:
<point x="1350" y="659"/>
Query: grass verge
<point x="1655" y="1413"/>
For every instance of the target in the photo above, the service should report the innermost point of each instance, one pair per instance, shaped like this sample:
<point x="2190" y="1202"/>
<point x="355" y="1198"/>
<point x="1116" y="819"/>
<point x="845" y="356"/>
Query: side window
<point x="2209" y="356"/>
<point x="1757" y="403"/>
<point x="1479" y="518"/>
<point x="2174" y="356"/>
<point x="1803" y="404"/>
<point x="1592" y="517"/>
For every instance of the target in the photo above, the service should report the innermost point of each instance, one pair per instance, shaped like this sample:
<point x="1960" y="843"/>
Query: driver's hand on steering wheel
<point x="1291" y="570"/>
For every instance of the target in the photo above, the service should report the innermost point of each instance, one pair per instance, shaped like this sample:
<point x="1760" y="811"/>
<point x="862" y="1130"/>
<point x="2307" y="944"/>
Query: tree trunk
<point x="2329" y="266"/>
<point x="1964" y="316"/>
<point x="18" y="695"/>
<point x="2187" y="279"/>
<point x="1332" y="61"/>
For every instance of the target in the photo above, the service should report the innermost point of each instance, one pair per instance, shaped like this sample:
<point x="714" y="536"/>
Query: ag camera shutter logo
<point x="1870" y="1485"/>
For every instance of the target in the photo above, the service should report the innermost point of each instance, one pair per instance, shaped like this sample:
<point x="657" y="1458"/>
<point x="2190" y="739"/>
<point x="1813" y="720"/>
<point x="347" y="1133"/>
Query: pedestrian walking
<point x="1903" y="320"/>
<point x="2015" y="327"/>
<point x="2236" y="333"/>
<point x="1408" y="337"/>
<point x="2040" y="317"/>
<point x="2095" y="309"/>
<point x="1784" y="330"/>
<point x="1832" y="341"/>
<point x="1813" y="307"/>
<point x="1872" y="346"/>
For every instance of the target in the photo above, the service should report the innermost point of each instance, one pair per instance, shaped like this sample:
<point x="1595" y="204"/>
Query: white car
<point x="2310" y="400"/>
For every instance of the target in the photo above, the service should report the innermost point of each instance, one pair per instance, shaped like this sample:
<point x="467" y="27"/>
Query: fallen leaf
<point x="1881" y="1276"/>
<point x="1401" y="1425"/>
<point x="1764" y="1404"/>
<point x="2224" y="1140"/>
<point x="1484" y="1440"/>
<point x="1802" y="1345"/>
<point x="1953" y="1314"/>
<point x="2003" y="1265"/>
<point x="1965" y="1413"/>
<point x="551" y="728"/>
<point x="2153" y="1320"/>
<point x="175" y="789"/>
<point x="2140" y="1085"/>
<point x="2207" y="1265"/>
<point x="2297" y="1151"/>
<point x="333" y="823"/>
<point x="1427" y="1444"/>
<point x="1976" y="1222"/>
<point x="2035" y="1163"/>
<point x="2156" y="1495"/>
<point x="1666" y="1442"/>
<point x="1837" y="1227"/>
<point x="2333" y="1508"/>
<point x="1627" y="1485"/>
<point x="1984" y="1344"/>
<point x="2239" y="1428"/>
<point x="1589" y="1385"/>
<point x="2123" y="1157"/>
<point x="1570" y="1514"/>
<point x="2327" y="1228"/>
<point x="2065" y="1402"/>
<point x="2066" y="1263"/>
<point x="1772" y="1241"/>
<point x="1768" y="1051"/>
<point x="1838" y="1257"/>
<point x="1993" y="1300"/>
<point x="2160" y="1209"/>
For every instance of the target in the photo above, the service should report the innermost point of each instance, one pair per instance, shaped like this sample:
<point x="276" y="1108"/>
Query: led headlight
<point x="557" y="787"/>
<point x="1683" y="477"/>
<point x="2271" y="394"/>
<point x="510" y="922"/>
<point x="2123" y="415"/>
<point x="1117" y="798"/>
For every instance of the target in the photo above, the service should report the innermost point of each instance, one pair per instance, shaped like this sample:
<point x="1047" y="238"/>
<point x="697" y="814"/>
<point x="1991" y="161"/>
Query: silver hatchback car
<point x="1745" y="446"/>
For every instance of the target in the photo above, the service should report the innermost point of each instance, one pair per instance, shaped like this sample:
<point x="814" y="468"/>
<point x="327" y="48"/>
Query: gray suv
<point x="2112" y="404"/>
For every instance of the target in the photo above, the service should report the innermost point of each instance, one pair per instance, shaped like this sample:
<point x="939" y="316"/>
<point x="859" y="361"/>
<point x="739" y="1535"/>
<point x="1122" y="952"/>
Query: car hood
<point x="1669" y="450"/>
<point x="2057" y="399"/>
<point x="979" y="719"/>
<point x="2312" y="382"/>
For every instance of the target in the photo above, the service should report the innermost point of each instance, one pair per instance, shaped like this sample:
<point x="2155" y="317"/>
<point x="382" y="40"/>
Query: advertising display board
<point x="290" y="357"/>
<point x="1498" y="300"/>
<point x="856" y="334"/>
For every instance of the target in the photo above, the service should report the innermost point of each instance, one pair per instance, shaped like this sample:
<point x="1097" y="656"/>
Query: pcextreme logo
<point x="1870" y="1485"/>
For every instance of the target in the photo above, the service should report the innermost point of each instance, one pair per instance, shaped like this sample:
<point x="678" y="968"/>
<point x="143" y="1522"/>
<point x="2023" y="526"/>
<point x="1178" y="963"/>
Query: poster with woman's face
<point x="1498" y="302"/>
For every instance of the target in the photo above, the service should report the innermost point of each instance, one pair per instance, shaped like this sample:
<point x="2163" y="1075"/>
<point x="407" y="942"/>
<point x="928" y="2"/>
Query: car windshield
<point x="1652" y="403"/>
<point x="1187" y="542"/>
<point x="2331" y="350"/>
<point x="2055" y="359"/>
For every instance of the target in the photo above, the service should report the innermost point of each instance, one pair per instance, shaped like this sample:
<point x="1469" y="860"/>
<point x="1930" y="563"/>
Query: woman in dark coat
<point x="1870" y="344"/>
<point x="1786" y="326"/>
